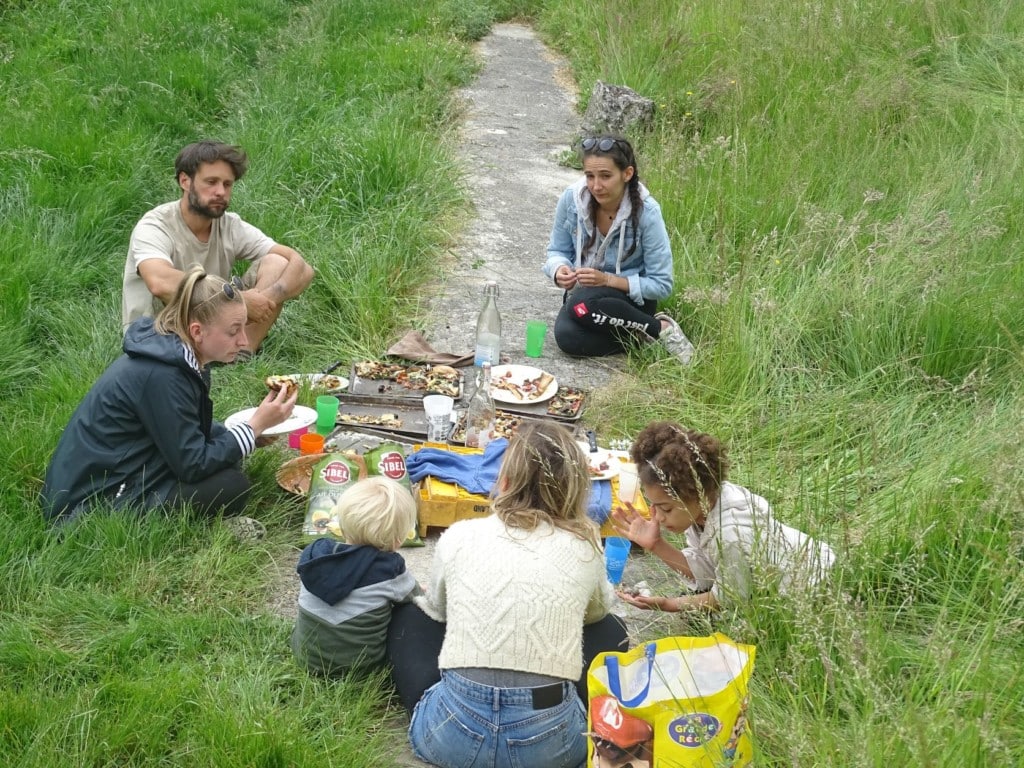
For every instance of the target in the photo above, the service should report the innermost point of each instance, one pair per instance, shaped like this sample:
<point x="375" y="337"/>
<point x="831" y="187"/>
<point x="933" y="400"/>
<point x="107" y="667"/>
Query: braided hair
<point x="686" y="464"/>
<point x="621" y="153"/>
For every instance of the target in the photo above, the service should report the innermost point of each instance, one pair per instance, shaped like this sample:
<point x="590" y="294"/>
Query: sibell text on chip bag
<point x="335" y="473"/>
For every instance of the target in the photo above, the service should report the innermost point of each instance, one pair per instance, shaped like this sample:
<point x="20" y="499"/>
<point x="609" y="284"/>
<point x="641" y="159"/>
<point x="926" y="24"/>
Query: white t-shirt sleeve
<point x="246" y="242"/>
<point x="150" y="240"/>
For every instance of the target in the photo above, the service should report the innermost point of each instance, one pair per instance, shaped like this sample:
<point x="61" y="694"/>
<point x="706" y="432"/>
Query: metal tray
<point x="410" y="412"/>
<point x="389" y="388"/>
<point x="412" y="416"/>
<point x="458" y="426"/>
<point x="540" y="410"/>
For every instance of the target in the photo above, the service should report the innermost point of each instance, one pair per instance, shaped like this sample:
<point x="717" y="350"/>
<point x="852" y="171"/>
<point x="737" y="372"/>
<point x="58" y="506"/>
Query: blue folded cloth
<point x="475" y="472"/>
<point x="478" y="473"/>
<point x="600" y="505"/>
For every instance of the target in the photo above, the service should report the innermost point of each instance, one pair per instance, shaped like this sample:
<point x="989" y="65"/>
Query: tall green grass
<point x="153" y="642"/>
<point x="840" y="182"/>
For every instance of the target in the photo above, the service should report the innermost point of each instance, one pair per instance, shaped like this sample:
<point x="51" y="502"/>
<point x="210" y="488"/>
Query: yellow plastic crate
<point x="440" y="504"/>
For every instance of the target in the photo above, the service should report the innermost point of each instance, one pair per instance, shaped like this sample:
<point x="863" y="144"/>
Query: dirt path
<point x="519" y="120"/>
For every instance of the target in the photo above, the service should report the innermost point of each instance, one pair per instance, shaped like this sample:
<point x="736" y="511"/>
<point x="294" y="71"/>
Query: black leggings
<point x="226" y="491"/>
<point x="595" y="322"/>
<point x="414" y="644"/>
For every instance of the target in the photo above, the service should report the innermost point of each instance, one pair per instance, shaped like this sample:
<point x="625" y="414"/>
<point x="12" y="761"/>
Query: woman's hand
<point x="276" y="407"/>
<point x="565" y="278"/>
<point x="635" y="527"/>
<point x="667" y="604"/>
<point x="592" y="278"/>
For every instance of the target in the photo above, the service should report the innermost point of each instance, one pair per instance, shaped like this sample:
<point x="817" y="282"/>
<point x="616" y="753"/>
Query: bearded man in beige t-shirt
<point x="196" y="229"/>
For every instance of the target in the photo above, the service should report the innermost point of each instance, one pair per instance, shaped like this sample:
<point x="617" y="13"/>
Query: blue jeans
<point x="462" y="724"/>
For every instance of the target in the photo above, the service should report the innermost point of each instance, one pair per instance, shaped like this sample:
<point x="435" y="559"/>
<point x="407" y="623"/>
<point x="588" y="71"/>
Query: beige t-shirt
<point x="163" y="234"/>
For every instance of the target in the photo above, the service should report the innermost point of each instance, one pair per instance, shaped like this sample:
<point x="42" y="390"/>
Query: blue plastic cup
<point x="616" y="552"/>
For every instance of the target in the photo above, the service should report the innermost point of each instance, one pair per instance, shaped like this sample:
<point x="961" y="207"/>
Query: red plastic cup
<point x="293" y="437"/>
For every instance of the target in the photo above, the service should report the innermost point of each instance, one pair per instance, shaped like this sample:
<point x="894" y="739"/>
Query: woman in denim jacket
<point x="609" y="250"/>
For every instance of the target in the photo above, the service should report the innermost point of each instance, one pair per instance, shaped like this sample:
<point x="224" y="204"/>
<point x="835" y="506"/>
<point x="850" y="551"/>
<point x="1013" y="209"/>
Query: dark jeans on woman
<point x="595" y="322"/>
<point x="414" y="645"/>
<point x="224" y="492"/>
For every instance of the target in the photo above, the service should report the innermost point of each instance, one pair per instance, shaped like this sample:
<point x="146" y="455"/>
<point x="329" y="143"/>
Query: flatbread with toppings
<point x="442" y="379"/>
<point x="526" y="390"/>
<point x="375" y="369"/>
<point x="438" y="379"/>
<point x="315" y="381"/>
<point x="566" y="402"/>
<point x="505" y="424"/>
<point x="389" y="420"/>
<point x="288" y="383"/>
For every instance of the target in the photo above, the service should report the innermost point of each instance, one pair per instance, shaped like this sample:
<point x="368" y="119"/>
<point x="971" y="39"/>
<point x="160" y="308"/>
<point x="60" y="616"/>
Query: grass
<point x="840" y="180"/>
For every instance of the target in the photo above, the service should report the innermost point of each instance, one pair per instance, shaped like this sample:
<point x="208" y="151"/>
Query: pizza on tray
<point x="389" y="420"/>
<point x="566" y="402"/>
<point x="504" y="425"/>
<point x="440" y="379"/>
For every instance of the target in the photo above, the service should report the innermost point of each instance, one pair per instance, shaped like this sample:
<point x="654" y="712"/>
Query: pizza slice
<point x="288" y="383"/>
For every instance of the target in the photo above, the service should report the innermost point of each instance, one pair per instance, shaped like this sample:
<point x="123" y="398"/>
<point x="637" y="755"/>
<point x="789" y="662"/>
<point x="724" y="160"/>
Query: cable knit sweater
<point x="514" y="599"/>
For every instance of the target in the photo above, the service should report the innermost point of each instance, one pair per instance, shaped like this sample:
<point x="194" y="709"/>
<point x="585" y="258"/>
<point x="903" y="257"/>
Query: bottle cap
<point x="491" y="288"/>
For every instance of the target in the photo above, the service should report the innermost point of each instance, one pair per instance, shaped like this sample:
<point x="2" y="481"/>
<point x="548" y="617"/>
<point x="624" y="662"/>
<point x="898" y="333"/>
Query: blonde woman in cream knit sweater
<point x="491" y="661"/>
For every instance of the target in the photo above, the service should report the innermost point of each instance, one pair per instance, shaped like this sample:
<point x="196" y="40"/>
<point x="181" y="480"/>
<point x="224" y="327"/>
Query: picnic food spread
<point x="438" y="379"/>
<point x="370" y="419"/>
<point x="522" y="383"/>
<point x="567" y="401"/>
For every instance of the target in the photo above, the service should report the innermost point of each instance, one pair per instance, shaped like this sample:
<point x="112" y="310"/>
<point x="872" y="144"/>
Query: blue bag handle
<point x="611" y="664"/>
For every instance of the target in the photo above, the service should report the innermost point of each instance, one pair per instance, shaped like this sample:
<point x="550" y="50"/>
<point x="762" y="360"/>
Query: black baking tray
<point x="540" y="410"/>
<point x="389" y="388"/>
<point x="412" y="416"/>
<point x="409" y="412"/>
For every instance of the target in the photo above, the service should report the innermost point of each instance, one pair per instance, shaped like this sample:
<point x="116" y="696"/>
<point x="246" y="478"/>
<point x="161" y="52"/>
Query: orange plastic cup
<point x="311" y="442"/>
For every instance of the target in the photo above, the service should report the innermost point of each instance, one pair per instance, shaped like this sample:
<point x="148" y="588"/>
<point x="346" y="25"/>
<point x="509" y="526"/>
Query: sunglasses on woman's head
<point x="601" y="145"/>
<point x="233" y="287"/>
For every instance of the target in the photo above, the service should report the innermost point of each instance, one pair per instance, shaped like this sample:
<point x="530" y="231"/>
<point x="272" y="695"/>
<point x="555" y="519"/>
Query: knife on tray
<point x="332" y="368"/>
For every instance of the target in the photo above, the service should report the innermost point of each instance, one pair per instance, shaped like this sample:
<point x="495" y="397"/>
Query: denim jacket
<point x="648" y="269"/>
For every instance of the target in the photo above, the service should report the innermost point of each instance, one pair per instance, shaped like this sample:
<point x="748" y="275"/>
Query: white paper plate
<point x="301" y="417"/>
<point x="519" y="374"/>
<point x="604" y="465"/>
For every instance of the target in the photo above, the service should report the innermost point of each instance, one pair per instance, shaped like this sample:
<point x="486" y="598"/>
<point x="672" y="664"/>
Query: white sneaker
<point x="674" y="340"/>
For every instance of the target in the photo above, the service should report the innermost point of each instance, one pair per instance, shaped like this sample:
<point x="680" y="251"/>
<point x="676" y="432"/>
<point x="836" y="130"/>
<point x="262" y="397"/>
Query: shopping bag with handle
<point x="677" y="702"/>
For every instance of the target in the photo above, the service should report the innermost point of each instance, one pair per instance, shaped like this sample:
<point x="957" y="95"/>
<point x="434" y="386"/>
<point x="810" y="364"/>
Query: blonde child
<point x="348" y="588"/>
<point x="732" y="538"/>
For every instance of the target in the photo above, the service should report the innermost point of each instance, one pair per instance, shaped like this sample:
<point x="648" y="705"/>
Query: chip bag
<point x="331" y="476"/>
<point x="336" y="472"/>
<point x="678" y="702"/>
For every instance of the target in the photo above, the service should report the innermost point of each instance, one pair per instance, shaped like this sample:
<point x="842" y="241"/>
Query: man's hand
<point x="258" y="306"/>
